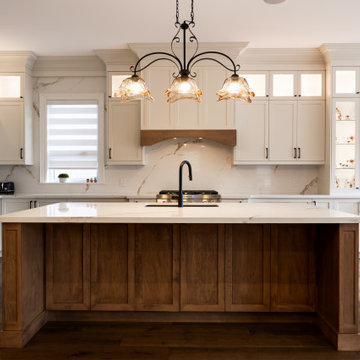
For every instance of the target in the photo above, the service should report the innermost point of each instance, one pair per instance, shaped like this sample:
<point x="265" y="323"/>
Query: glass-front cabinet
<point x="346" y="145"/>
<point x="11" y="86"/>
<point x="286" y="85"/>
<point x="346" y="82"/>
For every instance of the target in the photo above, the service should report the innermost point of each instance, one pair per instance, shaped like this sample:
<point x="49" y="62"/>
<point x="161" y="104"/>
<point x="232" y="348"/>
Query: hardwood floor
<point x="100" y="341"/>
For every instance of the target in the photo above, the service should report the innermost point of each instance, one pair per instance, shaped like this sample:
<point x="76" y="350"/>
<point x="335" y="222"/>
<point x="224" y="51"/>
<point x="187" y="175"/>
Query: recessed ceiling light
<point x="273" y="2"/>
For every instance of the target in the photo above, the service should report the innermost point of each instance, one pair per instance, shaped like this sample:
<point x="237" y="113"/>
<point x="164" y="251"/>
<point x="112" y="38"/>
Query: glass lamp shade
<point x="183" y="87"/>
<point x="235" y="87"/>
<point x="134" y="88"/>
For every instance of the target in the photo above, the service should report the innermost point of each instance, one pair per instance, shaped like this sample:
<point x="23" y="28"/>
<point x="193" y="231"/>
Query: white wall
<point x="212" y="163"/>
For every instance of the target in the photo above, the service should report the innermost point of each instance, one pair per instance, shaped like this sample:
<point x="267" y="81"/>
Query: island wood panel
<point x="156" y="266"/>
<point x="293" y="267"/>
<point x="202" y="267"/>
<point x="68" y="266"/>
<point x="247" y="268"/>
<point x="112" y="267"/>
<point x="23" y="306"/>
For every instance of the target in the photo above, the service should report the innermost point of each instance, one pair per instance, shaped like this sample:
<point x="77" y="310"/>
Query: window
<point x="72" y="137"/>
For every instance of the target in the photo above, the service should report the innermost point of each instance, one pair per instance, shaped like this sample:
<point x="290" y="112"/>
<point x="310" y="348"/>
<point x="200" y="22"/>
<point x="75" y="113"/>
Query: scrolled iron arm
<point x="135" y="68"/>
<point x="211" y="59"/>
<point x="235" y="68"/>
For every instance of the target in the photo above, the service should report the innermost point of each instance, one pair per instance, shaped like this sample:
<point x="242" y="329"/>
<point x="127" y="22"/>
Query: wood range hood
<point x="224" y="137"/>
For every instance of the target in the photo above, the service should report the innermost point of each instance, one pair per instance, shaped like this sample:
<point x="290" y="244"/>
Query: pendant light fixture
<point x="184" y="85"/>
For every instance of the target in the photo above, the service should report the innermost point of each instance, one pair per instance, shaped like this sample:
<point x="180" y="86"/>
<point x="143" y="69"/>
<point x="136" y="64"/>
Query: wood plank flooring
<point x="105" y="341"/>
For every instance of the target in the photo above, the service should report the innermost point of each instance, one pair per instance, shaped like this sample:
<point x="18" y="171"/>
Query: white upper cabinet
<point x="12" y="147"/>
<point x="123" y="125"/>
<point x="11" y="86"/>
<point x="187" y="114"/>
<point x="311" y="85"/>
<point x="283" y="85"/>
<point x="310" y="131"/>
<point x="252" y="132"/>
<point x="160" y="114"/>
<point x="282" y="119"/>
<point x="114" y="81"/>
<point x="123" y="134"/>
<point x="346" y="81"/>
<point x="258" y="82"/>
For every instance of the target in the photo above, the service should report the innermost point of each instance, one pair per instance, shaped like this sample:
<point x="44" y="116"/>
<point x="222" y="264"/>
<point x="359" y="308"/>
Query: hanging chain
<point x="177" y="12"/>
<point x="192" y="11"/>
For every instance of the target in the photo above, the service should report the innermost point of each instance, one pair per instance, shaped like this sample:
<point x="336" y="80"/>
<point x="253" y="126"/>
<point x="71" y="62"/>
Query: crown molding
<point x="68" y="66"/>
<point x="282" y="59"/>
<point x="341" y="54"/>
<point x="117" y="59"/>
<point x="232" y="49"/>
<point x="17" y="61"/>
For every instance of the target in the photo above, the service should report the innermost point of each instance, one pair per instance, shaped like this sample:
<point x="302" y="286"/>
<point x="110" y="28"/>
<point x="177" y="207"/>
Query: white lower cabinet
<point x="123" y="134"/>
<point x="280" y="132"/>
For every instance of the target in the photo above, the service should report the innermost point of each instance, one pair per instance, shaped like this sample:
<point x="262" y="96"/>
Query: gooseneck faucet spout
<point x="181" y="200"/>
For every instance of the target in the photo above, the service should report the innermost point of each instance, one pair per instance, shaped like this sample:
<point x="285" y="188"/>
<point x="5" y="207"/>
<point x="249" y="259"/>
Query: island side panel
<point x="338" y="284"/>
<point x="247" y="268"/>
<point x="23" y="283"/>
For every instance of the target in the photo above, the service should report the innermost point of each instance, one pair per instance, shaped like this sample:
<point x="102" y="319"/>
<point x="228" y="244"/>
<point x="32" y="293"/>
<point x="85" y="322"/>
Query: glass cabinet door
<point x="311" y="85"/>
<point x="283" y="85"/>
<point x="258" y="83"/>
<point x="10" y="86"/>
<point x="114" y="81"/>
<point x="346" y="82"/>
<point x="346" y="144"/>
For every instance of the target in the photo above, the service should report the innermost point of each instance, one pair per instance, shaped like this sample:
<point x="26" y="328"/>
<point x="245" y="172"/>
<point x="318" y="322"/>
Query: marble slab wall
<point x="211" y="162"/>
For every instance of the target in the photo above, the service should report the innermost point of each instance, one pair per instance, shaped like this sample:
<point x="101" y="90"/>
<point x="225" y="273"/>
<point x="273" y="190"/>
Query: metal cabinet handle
<point x="31" y="204"/>
<point x="110" y="153"/>
<point x="21" y="153"/>
<point x="295" y="153"/>
<point x="299" y="153"/>
<point x="266" y="153"/>
<point x="35" y="204"/>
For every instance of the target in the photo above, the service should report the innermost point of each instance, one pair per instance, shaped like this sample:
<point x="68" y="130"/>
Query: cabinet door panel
<point x="124" y="133"/>
<point x="346" y="81"/>
<point x="283" y="84"/>
<point x="202" y="267"/>
<point x="247" y="262"/>
<point x="293" y="284"/>
<point x="282" y="120"/>
<point x="156" y="266"/>
<point x="310" y="131"/>
<point x="159" y="114"/>
<point x="252" y="131"/>
<point x="67" y="267"/>
<point x="216" y="114"/>
<point x="112" y="268"/>
<point x="11" y="132"/>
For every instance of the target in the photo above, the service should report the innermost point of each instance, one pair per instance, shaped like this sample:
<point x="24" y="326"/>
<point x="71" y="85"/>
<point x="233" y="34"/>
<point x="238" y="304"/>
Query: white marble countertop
<point x="89" y="212"/>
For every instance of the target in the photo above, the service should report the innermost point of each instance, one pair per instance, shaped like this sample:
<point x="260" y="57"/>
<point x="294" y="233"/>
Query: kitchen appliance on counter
<point x="7" y="188"/>
<point x="189" y="196"/>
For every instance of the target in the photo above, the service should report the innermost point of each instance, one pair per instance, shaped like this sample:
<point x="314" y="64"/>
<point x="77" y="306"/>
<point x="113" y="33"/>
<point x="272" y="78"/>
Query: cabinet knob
<point x="267" y="95"/>
<point x="295" y="95"/>
<point x="358" y="92"/>
<point x="299" y="95"/>
<point x="109" y="96"/>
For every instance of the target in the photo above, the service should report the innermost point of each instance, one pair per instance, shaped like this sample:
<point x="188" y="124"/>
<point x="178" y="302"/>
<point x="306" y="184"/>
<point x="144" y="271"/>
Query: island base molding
<point x="180" y="273"/>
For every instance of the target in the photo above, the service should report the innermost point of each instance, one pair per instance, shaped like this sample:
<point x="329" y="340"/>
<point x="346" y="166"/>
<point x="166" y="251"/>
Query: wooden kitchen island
<point x="232" y="263"/>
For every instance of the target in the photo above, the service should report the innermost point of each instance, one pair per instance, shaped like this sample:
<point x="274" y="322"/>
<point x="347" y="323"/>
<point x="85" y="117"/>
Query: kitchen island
<point x="227" y="263"/>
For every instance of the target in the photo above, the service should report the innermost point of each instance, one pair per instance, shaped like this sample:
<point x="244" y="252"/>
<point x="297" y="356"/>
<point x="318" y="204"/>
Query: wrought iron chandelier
<point x="184" y="85"/>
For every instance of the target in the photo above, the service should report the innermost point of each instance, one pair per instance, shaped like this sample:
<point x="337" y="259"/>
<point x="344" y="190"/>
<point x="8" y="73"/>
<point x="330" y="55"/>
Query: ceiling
<point x="77" y="27"/>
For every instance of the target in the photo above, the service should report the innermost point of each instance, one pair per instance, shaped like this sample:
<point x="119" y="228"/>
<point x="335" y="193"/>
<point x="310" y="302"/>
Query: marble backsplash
<point x="211" y="162"/>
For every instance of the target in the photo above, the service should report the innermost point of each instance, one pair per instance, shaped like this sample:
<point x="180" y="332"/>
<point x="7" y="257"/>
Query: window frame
<point x="44" y="99"/>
